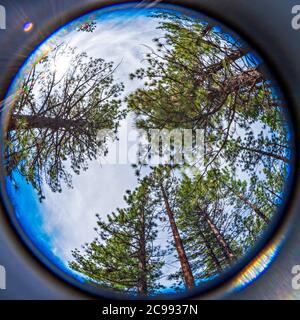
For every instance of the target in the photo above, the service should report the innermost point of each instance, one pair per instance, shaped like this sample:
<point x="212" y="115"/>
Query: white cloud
<point x="121" y="40"/>
<point x="69" y="217"/>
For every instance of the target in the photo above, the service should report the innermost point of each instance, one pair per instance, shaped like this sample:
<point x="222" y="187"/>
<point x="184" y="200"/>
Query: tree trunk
<point x="210" y="251"/>
<point x="235" y="55"/>
<point x="40" y="122"/>
<point x="142" y="266"/>
<point x="273" y="193"/>
<point x="247" y="78"/>
<point x="249" y="204"/>
<point x="185" y="266"/>
<point x="219" y="237"/>
<point x="265" y="153"/>
<point x="253" y="207"/>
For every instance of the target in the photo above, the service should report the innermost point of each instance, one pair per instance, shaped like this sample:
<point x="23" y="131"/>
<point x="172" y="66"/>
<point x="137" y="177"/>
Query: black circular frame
<point x="279" y="223"/>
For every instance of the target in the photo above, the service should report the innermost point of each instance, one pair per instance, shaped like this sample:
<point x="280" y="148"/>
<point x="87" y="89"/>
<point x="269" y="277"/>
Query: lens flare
<point x="28" y="26"/>
<point x="258" y="266"/>
<point x="67" y="90"/>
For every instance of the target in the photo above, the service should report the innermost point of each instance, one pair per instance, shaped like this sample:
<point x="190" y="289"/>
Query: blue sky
<point x="64" y="221"/>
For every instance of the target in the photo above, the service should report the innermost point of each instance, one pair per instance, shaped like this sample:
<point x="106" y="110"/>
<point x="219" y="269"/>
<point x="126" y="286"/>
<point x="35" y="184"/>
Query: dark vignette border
<point x="279" y="223"/>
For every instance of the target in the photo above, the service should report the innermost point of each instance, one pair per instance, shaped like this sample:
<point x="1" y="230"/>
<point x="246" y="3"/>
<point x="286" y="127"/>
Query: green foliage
<point x="215" y="210"/>
<point x="55" y="123"/>
<point x="199" y="78"/>
<point x="125" y="257"/>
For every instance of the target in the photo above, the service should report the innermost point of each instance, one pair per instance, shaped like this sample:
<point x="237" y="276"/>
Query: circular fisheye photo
<point x="146" y="150"/>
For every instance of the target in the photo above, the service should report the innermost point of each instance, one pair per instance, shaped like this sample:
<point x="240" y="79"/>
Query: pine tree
<point x="196" y="75"/>
<point x="125" y="258"/>
<point x="207" y="227"/>
<point x="216" y="210"/>
<point x="200" y="78"/>
<point x="164" y="185"/>
<point x="56" y="121"/>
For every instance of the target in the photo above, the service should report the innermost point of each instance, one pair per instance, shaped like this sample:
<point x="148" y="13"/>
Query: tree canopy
<point x="125" y="255"/>
<point x="185" y="223"/>
<point x="200" y="78"/>
<point x="55" y="123"/>
<point x="215" y="209"/>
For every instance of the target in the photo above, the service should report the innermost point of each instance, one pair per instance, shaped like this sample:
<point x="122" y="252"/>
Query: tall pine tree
<point x="54" y="125"/>
<point x="125" y="257"/>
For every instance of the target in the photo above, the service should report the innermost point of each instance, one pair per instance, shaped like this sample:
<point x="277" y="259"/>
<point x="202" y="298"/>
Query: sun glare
<point x="61" y="65"/>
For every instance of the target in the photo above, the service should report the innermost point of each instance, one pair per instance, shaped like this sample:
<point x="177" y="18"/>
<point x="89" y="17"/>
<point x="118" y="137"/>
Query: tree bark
<point x="234" y="56"/>
<point x="254" y="208"/>
<point x="265" y="153"/>
<point x="219" y="237"/>
<point x="40" y="122"/>
<point x="142" y="279"/>
<point x="245" y="79"/>
<point x="185" y="266"/>
<point x="210" y="251"/>
<point x="249" y="204"/>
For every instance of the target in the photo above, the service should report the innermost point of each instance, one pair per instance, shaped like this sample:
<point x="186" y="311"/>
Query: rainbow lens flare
<point x="70" y="180"/>
<point x="28" y="26"/>
<point x="258" y="266"/>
